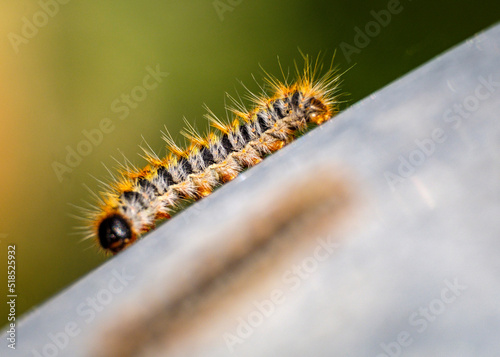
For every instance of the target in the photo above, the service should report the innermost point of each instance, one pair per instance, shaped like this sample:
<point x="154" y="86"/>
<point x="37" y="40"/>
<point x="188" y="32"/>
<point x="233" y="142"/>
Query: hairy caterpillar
<point x="131" y="205"/>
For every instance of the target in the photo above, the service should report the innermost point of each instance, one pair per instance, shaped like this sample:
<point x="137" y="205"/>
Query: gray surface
<point x="438" y="225"/>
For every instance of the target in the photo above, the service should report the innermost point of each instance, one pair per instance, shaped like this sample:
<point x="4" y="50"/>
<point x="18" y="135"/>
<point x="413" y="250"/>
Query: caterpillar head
<point x="115" y="233"/>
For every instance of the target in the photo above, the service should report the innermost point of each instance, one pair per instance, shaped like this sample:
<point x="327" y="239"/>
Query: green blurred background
<point x="63" y="80"/>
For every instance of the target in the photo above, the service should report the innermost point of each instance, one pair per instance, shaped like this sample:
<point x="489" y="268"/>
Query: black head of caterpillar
<point x="131" y="206"/>
<point x="115" y="233"/>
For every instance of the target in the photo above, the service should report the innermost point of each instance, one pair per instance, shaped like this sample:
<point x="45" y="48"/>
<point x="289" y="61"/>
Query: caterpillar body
<point x="133" y="203"/>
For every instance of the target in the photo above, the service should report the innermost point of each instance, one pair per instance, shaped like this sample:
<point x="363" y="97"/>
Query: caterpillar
<point x="131" y="205"/>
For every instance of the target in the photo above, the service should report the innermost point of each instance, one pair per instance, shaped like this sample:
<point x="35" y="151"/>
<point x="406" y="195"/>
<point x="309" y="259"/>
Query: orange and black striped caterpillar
<point x="132" y="204"/>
